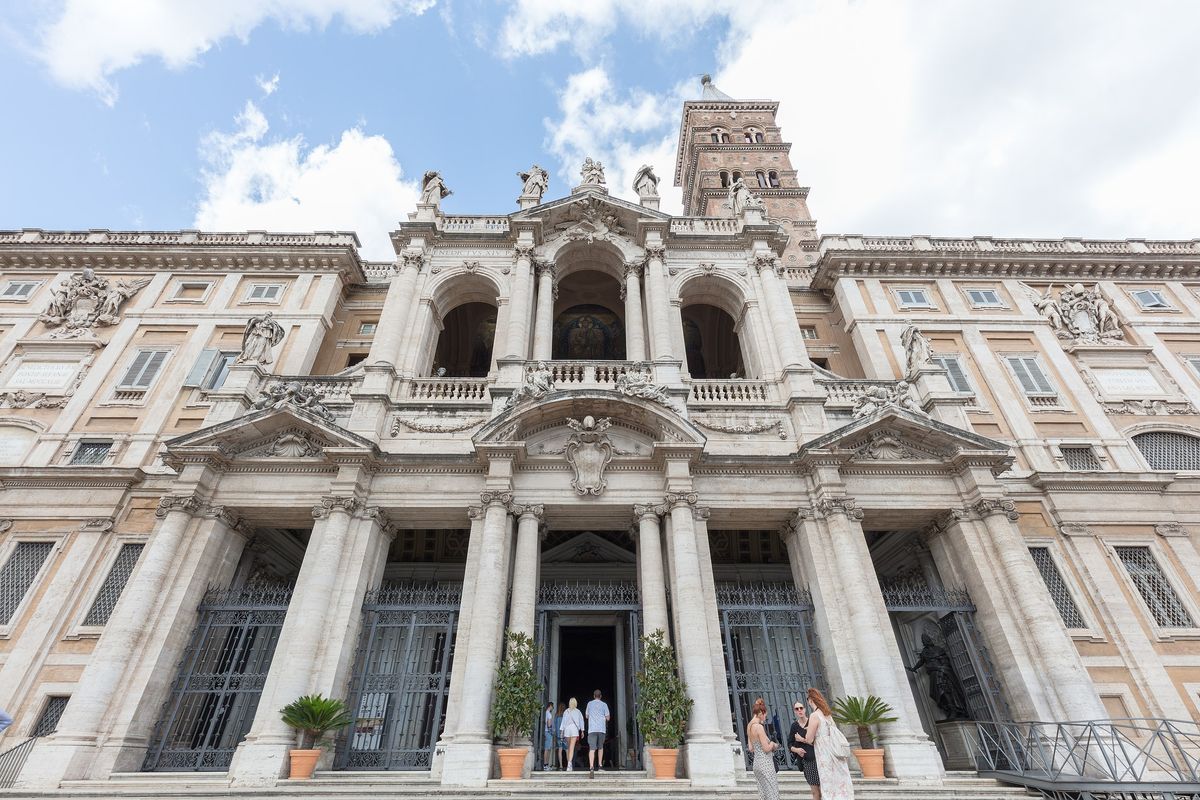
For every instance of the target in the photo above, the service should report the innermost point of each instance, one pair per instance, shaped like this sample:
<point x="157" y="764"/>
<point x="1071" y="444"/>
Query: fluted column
<point x="658" y="302"/>
<point x="543" y="328"/>
<point x="522" y="615"/>
<point x="516" y="341"/>
<point x="389" y="336"/>
<point x="635" y="329"/>
<point x="650" y="569"/>
<point x="784" y="328"/>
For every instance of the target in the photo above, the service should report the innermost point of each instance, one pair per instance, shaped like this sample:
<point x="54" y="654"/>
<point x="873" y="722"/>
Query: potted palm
<point x="663" y="704"/>
<point x="516" y="701"/>
<point x="312" y="716"/>
<point x="863" y="714"/>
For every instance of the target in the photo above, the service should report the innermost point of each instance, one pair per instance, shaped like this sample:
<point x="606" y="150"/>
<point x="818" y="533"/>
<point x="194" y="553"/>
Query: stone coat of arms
<point x="588" y="451"/>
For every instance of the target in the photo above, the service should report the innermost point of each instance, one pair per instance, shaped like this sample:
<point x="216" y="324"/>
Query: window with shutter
<point x="114" y="583"/>
<point x="985" y="298"/>
<point x="955" y="372"/>
<point x="1157" y="592"/>
<point x="1030" y="375"/>
<point x="1150" y="298"/>
<point x="913" y="298"/>
<point x="264" y="292"/>
<point x="144" y="369"/>
<point x="1059" y="592"/>
<point x="18" y="290"/>
<point x="18" y="573"/>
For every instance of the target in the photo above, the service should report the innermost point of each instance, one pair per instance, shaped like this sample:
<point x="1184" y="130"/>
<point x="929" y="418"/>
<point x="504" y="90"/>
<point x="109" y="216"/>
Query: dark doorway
<point x="587" y="661"/>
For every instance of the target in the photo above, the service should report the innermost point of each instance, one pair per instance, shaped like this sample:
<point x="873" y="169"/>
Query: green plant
<point x="314" y="716"/>
<point x="862" y="714"/>
<point x="518" y="695"/>
<point x="663" y="702"/>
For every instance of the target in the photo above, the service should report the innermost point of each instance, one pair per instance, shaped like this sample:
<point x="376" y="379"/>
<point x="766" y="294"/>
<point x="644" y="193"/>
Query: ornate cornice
<point x="846" y="506"/>
<point x="345" y="503"/>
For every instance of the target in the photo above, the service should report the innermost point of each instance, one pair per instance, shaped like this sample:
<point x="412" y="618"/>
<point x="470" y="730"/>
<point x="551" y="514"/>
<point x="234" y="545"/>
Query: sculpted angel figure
<point x="539" y="380"/>
<point x="638" y="384"/>
<point x="645" y="182"/>
<point x="534" y="182"/>
<point x="1047" y="306"/>
<point x="60" y="303"/>
<point x="433" y="189"/>
<point x="114" y="296"/>
<point x="592" y="172"/>
<point x="261" y="334"/>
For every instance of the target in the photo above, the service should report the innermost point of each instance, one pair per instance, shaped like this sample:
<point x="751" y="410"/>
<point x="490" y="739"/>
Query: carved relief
<point x="1078" y="314"/>
<point x="588" y="222"/>
<point x="539" y="380"/>
<point x="430" y="427"/>
<point x="886" y="446"/>
<point x="875" y="397"/>
<point x="636" y="383"/>
<point x="294" y="444"/>
<point x="293" y="393"/>
<point x="589" y="451"/>
<point x="748" y="427"/>
<point x="85" y="302"/>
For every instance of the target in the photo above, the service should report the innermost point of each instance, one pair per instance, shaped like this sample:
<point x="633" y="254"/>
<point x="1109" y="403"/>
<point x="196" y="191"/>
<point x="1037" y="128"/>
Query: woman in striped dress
<point x="762" y="747"/>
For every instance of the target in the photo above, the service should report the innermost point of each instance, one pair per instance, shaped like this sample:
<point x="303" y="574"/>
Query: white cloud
<point x="1011" y="118"/>
<point x="283" y="185"/>
<point x="268" y="85"/>
<point x="90" y="40"/>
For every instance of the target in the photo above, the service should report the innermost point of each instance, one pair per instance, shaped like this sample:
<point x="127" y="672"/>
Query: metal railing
<point x="1112" y="758"/>
<point x="13" y="760"/>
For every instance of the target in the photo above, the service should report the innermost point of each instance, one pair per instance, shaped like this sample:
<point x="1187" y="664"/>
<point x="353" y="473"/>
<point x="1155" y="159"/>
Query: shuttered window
<point x="18" y="290"/>
<point x="145" y="367"/>
<point x="1030" y="375"/>
<point x="264" y="292"/>
<point x="114" y="584"/>
<point x="18" y="574"/>
<point x="985" y="298"/>
<point x="913" y="298"/>
<point x="955" y="372"/>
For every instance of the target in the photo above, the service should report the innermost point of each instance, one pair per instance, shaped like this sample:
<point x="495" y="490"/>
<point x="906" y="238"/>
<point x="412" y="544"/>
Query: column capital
<point x="545" y="267"/>
<point x="847" y="506"/>
<point x="490" y="499"/>
<point x="633" y="270"/>
<point x="330" y="503"/>
<point x="701" y="513"/>
<point x="411" y="258"/>
<point x="655" y="251"/>
<point x="474" y="512"/>
<point x="944" y="521"/>
<point x="187" y="503"/>
<point x="380" y="517"/>
<point x="535" y="510"/>
<point x="987" y="507"/>
<point x="524" y="249"/>
<point x="230" y="518"/>
<point x="765" y="261"/>
<point x="649" y="510"/>
<point x="674" y="500"/>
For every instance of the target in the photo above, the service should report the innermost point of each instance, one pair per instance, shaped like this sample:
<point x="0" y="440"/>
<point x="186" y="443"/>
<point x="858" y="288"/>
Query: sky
<point x="950" y="117"/>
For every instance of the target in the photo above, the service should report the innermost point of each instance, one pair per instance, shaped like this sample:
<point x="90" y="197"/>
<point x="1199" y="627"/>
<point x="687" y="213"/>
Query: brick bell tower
<point x="721" y="139"/>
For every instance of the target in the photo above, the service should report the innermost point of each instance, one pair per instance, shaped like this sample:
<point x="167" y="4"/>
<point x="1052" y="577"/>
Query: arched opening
<point x="762" y="179"/>
<point x="773" y="179"/>
<point x="737" y="176"/>
<point x="589" y="322"/>
<point x="1169" y="450"/>
<point x="711" y="344"/>
<point x="724" y="179"/>
<point x="464" y="347"/>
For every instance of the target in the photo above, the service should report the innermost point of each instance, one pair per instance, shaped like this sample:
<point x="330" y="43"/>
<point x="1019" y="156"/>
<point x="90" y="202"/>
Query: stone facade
<point x="588" y="418"/>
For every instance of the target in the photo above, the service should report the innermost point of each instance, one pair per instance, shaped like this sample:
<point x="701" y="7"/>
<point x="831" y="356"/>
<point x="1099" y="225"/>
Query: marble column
<point x="468" y="759"/>
<point x="516" y="340"/>
<point x="658" y="303"/>
<point x="650" y="570"/>
<point x="635" y="329"/>
<point x="784" y="328"/>
<point x="389" y="336"/>
<point x="707" y="753"/>
<point x="543" y="327"/>
<point x="712" y="617"/>
<point x="522" y="617"/>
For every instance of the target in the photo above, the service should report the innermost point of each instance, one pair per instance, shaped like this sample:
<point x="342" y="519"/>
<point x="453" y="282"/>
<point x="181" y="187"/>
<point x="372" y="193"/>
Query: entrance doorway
<point x="587" y="661"/>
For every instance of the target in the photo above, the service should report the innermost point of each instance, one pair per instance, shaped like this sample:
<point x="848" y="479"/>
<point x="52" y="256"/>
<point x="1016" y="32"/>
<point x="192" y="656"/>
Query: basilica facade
<point x="961" y="474"/>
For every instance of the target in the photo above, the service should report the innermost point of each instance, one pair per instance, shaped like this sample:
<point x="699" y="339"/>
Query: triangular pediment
<point x="894" y="434"/>
<point x="273" y="434"/>
<point x="556" y="210"/>
<point x="588" y="548"/>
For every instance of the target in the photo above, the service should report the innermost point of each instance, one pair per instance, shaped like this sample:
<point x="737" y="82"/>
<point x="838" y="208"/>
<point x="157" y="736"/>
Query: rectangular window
<point x="91" y="452"/>
<point x="985" y="298"/>
<point x="264" y="293"/>
<point x="808" y="332"/>
<point x="367" y="328"/>
<point x="1080" y="457"/>
<point x="913" y="298"/>
<point x="1030" y="375"/>
<point x="1195" y="362"/>
<point x="145" y="367"/>
<point x="1150" y="298"/>
<point x="114" y="583"/>
<point x="220" y="370"/>
<point x="191" y="291"/>
<point x="1156" y="591"/>
<point x="18" y="291"/>
<point x="1059" y="592"/>
<point x="955" y="372"/>
<point x="52" y="712"/>
<point x="18" y="574"/>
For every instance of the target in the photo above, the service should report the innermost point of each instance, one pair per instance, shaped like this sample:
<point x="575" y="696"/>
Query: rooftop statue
<point x="534" y="182"/>
<point x="592" y="172"/>
<point x="645" y="182"/>
<point x="433" y="189"/>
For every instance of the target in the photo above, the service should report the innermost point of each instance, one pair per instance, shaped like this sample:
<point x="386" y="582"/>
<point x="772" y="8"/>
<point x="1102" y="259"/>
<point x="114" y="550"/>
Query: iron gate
<point x="617" y="598"/>
<point x="215" y="695"/>
<point x="770" y="652"/>
<point x="401" y="677"/>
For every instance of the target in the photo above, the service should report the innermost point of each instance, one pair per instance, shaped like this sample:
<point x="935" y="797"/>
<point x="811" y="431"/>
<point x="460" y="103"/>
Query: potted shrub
<point x="862" y="714"/>
<point x="312" y="716"/>
<point x="663" y="704"/>
<point x="517" y="701"/>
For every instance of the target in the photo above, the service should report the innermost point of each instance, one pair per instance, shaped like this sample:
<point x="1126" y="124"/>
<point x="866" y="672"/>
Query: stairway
<point x="542" y="785"/>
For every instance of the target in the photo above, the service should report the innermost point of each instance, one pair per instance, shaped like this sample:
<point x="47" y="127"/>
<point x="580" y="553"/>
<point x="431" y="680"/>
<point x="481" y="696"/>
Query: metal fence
<point x="13" y="760"/>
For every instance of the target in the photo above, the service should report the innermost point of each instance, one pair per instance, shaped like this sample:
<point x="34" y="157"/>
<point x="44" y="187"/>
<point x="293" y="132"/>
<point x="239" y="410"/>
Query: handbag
<point x="839" y="747"/>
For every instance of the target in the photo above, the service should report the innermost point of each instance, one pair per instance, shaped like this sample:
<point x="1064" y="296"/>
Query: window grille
<point x="91" y="452"/>
<point x="1030" y="375"/>
<point x="18" y="573"/>
<point x="1059" y="593"/>
<point x="1081" y="457"/>
<point x="52" y="712"/>
<point x="1169" y="450"/>
<point x="1160" y="597"/>
<point x="114" y="584"/>
<point x="145" y="367"/>
<point x="955" y="372"/>
<point x="1150" y="298"/>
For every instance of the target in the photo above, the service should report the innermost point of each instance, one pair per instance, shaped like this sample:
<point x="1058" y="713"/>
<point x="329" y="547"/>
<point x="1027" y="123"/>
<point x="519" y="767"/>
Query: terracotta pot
<point x="664" y="760"/>
<point x="871" y="762"/>
<point x="512" y="762"/>
<point x="303" y="764"/>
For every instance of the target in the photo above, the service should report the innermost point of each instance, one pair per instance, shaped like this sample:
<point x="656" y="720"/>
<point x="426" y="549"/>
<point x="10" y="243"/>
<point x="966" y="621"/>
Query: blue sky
<point x="1007" y="118"/>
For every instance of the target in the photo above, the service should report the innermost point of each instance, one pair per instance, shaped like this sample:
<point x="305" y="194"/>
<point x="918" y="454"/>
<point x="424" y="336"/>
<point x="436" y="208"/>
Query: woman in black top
<point x="804" y="752"/>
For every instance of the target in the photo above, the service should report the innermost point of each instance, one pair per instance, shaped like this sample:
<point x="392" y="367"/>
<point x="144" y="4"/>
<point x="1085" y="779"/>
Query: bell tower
<point x="721" y="139"/>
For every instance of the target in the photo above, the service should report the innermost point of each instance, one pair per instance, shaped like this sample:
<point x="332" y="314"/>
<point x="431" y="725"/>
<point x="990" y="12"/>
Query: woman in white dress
<point x="572" y="727"/>
<point x="834" y="771"/>
<point x="762" y="747"/>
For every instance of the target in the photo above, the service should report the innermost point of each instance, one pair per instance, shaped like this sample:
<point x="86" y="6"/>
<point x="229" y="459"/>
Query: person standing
<point x="5" y="720"/>
<point x="571" y="727"/>
<point x="834" y="771"/>
<point x="548" y="737"/>
<point x="802" y="751"/>
<point x="762" y="747"/>
<point x="598" y="716"/>
<point x="560" y="744"/>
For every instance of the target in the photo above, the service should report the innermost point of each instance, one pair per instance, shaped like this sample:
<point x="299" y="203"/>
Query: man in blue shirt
<point x="598" y="716"/>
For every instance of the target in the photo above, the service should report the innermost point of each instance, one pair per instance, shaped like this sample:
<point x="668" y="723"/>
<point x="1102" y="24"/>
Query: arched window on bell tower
<point x="762" y="179"/>
<point x="724" y="179"/>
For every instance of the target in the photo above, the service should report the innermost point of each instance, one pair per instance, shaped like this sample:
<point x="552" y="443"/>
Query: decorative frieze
<point x="431" y="427"/>
<point x="748" y="427"/>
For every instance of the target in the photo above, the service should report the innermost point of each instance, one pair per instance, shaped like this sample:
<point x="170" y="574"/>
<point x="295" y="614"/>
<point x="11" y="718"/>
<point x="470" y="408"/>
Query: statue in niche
<point x="433" y="189"/>
<point x="944" y="688"/>
<point x="918" y="351"/>
<point x="588" y="451"/>
<point x="741" y="198"/>
<point x="592" y="173"/>
<point x="534" y="182"/>
<point x="262" y="333"/>
<point x="645" y="182"/>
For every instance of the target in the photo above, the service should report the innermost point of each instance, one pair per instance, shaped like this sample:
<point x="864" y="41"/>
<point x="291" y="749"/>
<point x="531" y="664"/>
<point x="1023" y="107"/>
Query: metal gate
<point x="401" y="677"/>
<point x="215" y="695"/>
<point x="770" y="652"/>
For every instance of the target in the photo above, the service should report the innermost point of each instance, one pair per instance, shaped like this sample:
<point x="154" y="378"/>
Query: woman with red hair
<point x="834" y="771"/>
<point x="762" y="747"/>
